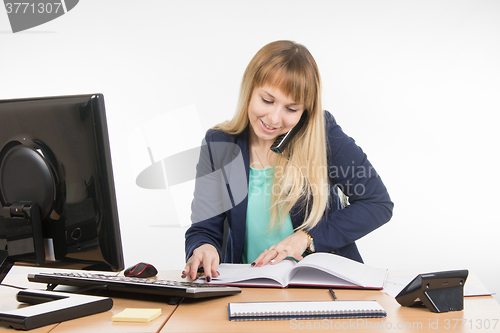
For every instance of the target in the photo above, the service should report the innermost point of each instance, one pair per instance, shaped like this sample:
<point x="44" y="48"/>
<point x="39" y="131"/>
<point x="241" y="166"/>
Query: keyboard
<point x="134" y="285"/>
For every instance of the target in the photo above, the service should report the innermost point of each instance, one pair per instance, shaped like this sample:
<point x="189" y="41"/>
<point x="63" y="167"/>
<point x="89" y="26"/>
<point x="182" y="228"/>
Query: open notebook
<point x="318" y="269"/>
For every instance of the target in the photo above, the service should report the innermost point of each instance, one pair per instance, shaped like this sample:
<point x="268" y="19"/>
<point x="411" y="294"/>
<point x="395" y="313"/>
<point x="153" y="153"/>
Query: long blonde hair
<point x="300" y="172"/>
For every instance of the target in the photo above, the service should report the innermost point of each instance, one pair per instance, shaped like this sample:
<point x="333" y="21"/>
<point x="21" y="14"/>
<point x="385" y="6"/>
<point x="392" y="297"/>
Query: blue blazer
<point x="348" y="168"/>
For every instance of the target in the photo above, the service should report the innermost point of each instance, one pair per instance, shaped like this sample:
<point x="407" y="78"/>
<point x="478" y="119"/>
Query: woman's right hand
<point x="205" y="256"/>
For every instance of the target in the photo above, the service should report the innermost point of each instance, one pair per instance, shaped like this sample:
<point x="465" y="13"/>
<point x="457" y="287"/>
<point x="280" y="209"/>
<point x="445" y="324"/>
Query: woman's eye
<point x="292" y="110"/>
<point x="267" y="101"/>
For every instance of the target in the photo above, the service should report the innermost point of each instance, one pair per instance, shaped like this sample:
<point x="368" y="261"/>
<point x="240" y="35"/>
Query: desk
<point x="210" y="315"/>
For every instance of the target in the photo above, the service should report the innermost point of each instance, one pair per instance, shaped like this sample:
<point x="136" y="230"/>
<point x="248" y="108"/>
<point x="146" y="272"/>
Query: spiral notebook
<point x="304" y="310"/>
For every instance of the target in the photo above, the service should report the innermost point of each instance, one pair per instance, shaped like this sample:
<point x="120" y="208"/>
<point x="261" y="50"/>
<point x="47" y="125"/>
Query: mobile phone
<point x="281" y="141"/>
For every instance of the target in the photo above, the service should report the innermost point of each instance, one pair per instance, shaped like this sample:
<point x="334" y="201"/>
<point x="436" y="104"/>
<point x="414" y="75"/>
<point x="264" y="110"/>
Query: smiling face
<point x="271" y="113"/>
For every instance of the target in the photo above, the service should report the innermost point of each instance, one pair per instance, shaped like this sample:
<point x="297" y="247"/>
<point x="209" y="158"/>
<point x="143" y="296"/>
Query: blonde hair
<point x="300" y="172"/>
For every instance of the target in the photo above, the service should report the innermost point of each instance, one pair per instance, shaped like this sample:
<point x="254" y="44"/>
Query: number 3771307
<point x="33" y="7"/>
<point x="478" y="324"/>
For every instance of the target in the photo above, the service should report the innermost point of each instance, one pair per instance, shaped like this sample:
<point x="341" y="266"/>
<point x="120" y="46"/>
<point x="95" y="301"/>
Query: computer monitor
<point x="56" y="184"/>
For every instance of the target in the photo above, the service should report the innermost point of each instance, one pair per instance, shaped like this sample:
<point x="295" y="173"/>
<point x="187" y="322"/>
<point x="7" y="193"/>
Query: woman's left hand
<point x="292" y="246"/>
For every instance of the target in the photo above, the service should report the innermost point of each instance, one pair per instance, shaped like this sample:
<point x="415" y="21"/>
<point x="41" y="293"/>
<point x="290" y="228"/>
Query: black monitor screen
<point x="56" y="184"/>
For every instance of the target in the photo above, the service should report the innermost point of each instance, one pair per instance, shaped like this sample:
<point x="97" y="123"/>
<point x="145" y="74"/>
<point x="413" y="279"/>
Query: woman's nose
<point x="275" y="116"/>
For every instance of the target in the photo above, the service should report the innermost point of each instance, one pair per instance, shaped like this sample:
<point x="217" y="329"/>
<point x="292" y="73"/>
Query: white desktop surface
<point x="100" y="322"/>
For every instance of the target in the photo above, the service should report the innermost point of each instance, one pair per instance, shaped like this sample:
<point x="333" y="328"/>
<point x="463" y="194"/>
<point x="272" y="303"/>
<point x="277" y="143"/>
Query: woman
<point x="292" y="206"/>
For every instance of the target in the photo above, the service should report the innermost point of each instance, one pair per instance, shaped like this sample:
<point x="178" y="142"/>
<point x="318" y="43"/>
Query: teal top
<point x="257" y="236"/>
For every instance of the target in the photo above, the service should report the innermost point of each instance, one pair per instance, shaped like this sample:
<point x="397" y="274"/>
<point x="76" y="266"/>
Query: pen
<point x="333" y="294"/>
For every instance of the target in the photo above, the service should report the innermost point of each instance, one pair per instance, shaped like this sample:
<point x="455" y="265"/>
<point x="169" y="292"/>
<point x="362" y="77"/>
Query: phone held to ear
<point x="282" y="141"/>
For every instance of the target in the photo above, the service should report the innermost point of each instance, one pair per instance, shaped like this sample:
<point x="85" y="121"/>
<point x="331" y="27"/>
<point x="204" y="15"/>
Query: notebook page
<point x="235" y="273"/>
<point x="312" y="277"/>
<point x="346" y="269"/>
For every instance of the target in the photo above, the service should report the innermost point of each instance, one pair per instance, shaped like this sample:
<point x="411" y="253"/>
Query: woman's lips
<point x="266" y="128"/>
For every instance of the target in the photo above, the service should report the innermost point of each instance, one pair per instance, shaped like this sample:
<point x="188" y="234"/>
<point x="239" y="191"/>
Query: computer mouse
<point x="141" y="270"/>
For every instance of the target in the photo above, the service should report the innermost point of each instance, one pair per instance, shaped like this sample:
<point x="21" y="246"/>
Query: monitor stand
<point x="48" y="307"/>
<point x="21" y="231"/>
<point x="52" y="307"/>
<point x="5" y="264"/>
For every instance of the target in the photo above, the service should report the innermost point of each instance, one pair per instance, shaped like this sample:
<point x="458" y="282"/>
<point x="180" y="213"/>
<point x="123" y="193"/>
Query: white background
<point x="416" y="83"/>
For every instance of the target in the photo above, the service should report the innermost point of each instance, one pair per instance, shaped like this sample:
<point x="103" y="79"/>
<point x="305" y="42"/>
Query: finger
<point x="268" y="256"/>
<point x="207" y="267"/>
<point x="215" y="267"/>
<point x="281" y="255"/>
<point x="193" y="267"/>
<point x="299" y="258"/>
<point x="187" y="268"/>
<point x="185" y="272"/>
<point x="260" y="258"/>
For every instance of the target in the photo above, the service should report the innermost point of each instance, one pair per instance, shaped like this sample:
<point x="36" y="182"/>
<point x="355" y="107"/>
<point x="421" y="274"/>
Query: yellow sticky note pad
<point x="137" y="315"/>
